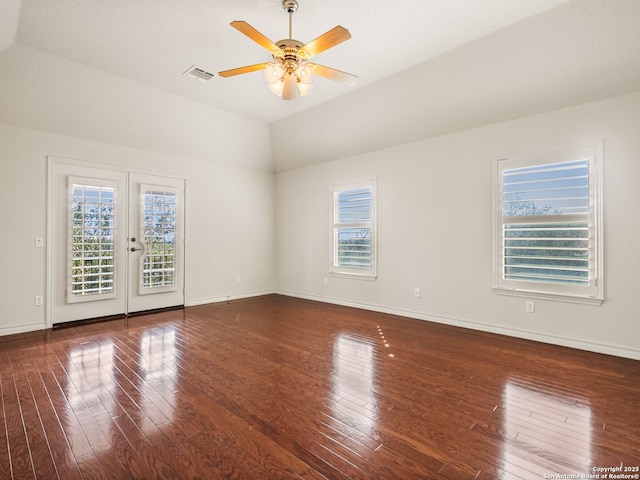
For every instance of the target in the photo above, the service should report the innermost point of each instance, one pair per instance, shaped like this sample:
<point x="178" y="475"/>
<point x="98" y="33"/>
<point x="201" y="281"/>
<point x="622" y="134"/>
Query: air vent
<point x="198" y="74"/>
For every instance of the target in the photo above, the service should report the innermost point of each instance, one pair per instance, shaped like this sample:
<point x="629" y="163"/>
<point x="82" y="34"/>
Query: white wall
<point x="230" y="220"/>
<point x="43" y="92"/>
<point x="434" y="229"/>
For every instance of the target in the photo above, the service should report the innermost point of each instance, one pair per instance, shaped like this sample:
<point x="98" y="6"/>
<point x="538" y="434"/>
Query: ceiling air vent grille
<point x="198" y="74"/>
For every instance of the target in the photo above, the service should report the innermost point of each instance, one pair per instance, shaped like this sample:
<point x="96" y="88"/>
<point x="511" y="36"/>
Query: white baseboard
<point x="607" y="349"/>
<point x="226" y="298"/>
<point x="22" y="329"/>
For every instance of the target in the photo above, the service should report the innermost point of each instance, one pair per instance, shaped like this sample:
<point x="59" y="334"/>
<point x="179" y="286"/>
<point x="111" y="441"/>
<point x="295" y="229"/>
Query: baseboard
<point x="606" y="349"/>
<point x="33" y="327"/>
<point x="226" y="298"/>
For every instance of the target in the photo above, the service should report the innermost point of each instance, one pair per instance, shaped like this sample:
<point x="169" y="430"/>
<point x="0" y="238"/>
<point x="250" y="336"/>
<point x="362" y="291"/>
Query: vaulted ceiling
<point x="155" y="41"/>
<point x="425" y="67"/>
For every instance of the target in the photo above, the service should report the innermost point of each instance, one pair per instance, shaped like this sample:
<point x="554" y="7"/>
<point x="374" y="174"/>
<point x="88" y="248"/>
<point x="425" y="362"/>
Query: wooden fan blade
<point x="255" y="35"/>
<point x="239" y="71"/>
<point x="333" y="74"/>
<point x="325" y="41"/>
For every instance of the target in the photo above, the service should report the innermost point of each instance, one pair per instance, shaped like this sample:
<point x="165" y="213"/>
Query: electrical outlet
<point x="237" y="278"/>
<point x="39" y="241"/>
<point x="417" y="292"/>
<point x="530" y="306"/>
<point x="38" y="300"/>
<point x="326" y="281"/>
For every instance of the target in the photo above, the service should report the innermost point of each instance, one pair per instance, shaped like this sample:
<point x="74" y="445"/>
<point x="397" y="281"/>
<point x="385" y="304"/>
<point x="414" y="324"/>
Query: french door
<point x="116" y="242"/>
<point x="155" y="243"/>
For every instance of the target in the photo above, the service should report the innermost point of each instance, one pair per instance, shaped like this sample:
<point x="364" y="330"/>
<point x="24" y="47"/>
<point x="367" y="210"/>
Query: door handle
<point x="134" y="249"/>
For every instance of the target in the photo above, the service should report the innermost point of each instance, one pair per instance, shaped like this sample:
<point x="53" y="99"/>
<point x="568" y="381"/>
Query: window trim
<point x="348" y="272"/>
<point x="592" y="294"/>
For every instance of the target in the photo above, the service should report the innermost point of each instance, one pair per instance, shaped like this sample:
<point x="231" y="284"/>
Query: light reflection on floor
<point x="158" y="356"/>
<point x="353" y="377"/>
<point x="90" y="372"/>
<point x="536" y="422"/>
<point x="158" y="363"/>
<point x="93" y="387"/>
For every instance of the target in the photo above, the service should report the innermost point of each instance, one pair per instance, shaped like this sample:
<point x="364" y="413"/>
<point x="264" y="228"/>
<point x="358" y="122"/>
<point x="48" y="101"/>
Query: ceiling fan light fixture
<point x="273" y="73"/>
<point x="277" y="87"/>
<point x="304" y="88"/>
<point x="305" y="73"/>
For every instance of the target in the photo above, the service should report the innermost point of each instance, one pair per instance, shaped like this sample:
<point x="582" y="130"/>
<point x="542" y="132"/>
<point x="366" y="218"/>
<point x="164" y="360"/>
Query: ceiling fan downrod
<point x="290" y="6"/>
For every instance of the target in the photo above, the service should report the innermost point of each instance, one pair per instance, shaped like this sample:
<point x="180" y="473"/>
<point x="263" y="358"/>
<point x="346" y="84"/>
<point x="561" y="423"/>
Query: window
<point x="91" y="239"/>
<point x="353" y="242"/>
<point x="548" y="236"/>
<point x="159" y="227"/>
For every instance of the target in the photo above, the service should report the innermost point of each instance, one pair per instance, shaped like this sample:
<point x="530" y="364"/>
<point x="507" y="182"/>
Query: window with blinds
<point x="159" y="227"/>
<point x="548" y="238"/>
<point x="91" y="240"/>
<point x="353" y="232"/>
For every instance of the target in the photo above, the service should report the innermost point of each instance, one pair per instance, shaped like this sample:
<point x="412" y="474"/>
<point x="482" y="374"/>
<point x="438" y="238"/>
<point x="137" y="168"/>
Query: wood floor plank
<point x="5" y="454"/>
<point x="277" y="387"/>
<point x="63" y="458"/>
<point x="90" y="468"/>
<point x="73" y="432"/>
<point x="18" y="446"/>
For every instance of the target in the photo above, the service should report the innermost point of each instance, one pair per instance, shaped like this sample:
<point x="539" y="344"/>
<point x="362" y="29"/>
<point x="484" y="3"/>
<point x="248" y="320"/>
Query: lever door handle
<point x="134" y="249"/>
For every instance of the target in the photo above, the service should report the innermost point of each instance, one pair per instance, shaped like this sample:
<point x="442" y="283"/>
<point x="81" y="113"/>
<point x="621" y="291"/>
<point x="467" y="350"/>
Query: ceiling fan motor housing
<point x="289" y="56"/>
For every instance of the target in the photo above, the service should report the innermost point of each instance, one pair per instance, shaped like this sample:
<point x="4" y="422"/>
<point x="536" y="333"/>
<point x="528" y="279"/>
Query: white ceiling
<point x="154" y="41"/>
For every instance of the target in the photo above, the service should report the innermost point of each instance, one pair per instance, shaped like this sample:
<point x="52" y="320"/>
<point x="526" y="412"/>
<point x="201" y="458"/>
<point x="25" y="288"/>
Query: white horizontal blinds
<point x="552" y="252"/>
<point x="353" y="216"/>
<point x="546" y="223"/>
<point x="159" y="232"/>
<point x="555" y="189"/>
<point x="91" y="238"/>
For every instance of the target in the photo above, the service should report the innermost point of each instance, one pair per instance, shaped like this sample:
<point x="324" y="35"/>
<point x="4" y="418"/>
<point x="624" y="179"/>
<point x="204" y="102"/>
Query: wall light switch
<point x="39" y="242"/>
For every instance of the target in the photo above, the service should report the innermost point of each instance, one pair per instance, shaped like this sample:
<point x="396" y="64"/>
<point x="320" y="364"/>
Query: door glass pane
<point x="92" y="241"/>
<point x="159" y="227"/>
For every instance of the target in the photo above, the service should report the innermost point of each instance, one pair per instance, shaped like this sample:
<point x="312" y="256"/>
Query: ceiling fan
<point x="290" y="73"/>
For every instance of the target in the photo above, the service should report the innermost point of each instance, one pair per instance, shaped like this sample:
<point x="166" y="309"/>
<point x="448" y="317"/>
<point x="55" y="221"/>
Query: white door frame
<point x="52" y="162"/>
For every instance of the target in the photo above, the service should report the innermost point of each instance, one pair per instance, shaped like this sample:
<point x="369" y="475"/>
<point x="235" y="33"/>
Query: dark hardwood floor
<point x="275" y="387"/>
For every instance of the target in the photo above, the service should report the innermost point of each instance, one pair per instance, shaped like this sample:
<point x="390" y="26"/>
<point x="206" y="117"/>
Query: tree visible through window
<point x="92" y="222"/>
<point x="159" y="226"/>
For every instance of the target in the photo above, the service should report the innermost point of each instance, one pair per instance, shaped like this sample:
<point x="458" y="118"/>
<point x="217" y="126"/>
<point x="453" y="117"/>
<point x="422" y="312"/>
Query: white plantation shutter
<point x="547" y="239"/>
<point x="353" y="232"/>
<point x="158" y="215"/>
<point x="91" y="239"/>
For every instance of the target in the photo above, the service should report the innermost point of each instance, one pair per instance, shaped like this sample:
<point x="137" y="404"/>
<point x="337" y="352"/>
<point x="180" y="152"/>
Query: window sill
<point x="549" y="296"/>
<point x="356" y="276"/>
